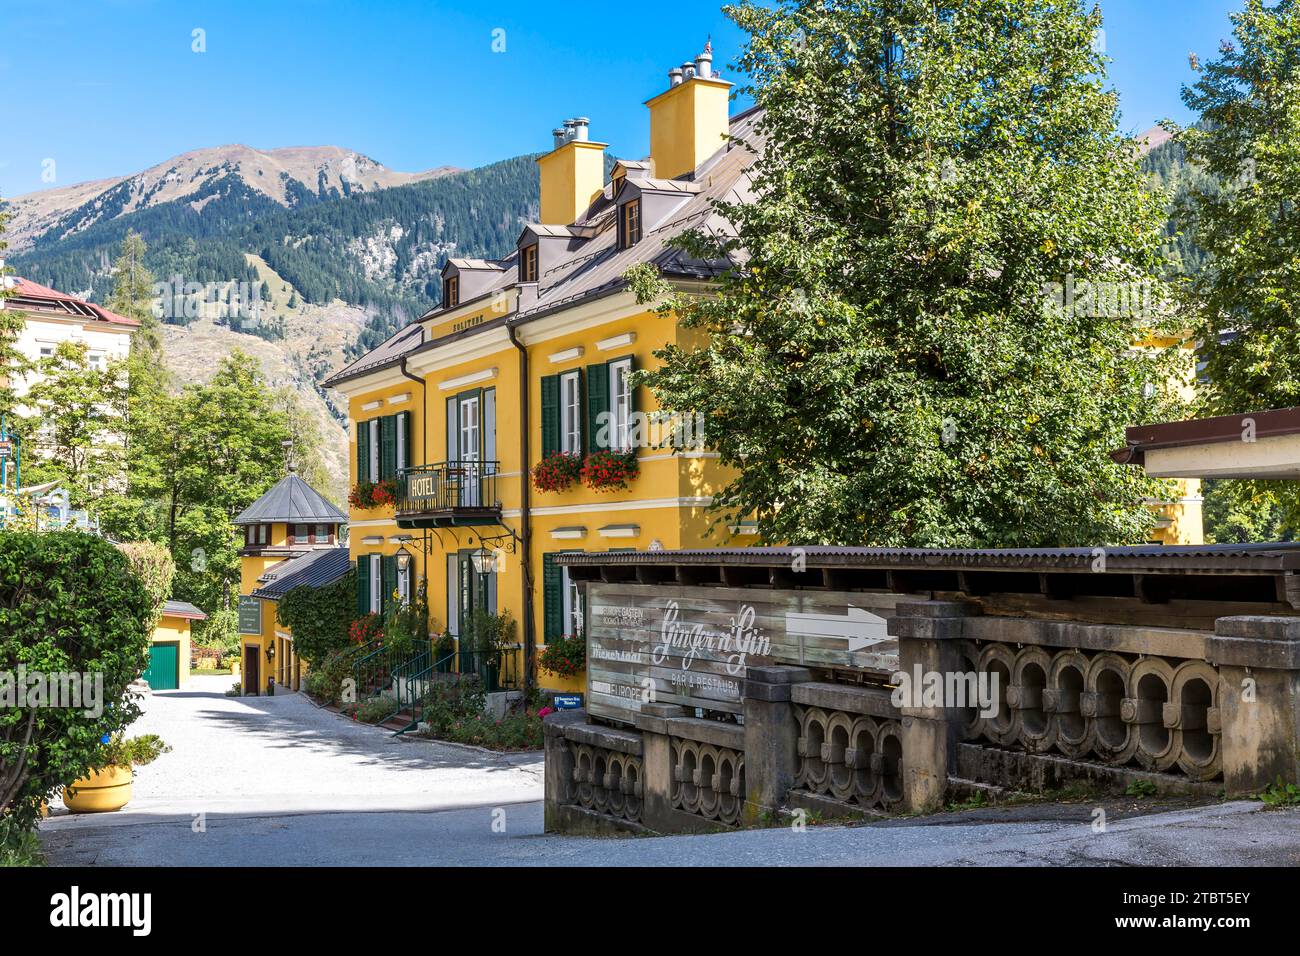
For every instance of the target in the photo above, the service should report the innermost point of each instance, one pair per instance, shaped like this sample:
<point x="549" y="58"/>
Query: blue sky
<point x="113" y="87"/>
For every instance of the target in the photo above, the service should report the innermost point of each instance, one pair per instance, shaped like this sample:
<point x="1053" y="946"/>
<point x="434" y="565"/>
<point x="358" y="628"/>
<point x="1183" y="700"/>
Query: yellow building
<point x="291" y="537"/>
<point x="1180" y="517"/>
<point x="169" y="650"/>
<point x="529" y="358"/>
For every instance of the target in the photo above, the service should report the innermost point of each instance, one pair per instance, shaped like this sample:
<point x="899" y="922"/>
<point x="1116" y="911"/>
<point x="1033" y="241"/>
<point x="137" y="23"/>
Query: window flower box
<point x="610" y="470"/>
<point x="373" y="494"/>
<point x="557" y="471"/>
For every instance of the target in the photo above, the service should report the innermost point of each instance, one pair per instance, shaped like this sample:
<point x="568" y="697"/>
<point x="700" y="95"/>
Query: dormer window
<point x="629" y="223"/>
<point x="528" y="264"/>
<point x="451" y="292"/>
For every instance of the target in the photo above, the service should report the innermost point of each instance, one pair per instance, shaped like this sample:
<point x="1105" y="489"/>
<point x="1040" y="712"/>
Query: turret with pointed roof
<point x="291" y="501"/>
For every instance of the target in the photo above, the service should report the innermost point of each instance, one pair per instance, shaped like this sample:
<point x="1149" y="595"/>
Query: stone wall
<point x="1187" y="709"/>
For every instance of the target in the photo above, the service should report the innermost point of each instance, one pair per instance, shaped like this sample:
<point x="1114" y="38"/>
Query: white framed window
<point x="572" y="624"/>
<point x="620" y="403"/>
<point x="571" y="413"/>
<point x="376" y="583"/>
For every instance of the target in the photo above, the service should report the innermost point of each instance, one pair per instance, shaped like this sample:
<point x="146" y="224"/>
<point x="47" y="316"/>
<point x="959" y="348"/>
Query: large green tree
<point x="1244" y="214"/>
<point x="200" y="457"/>
<point x="906" y="356"/>
<point x="79" y="409"/>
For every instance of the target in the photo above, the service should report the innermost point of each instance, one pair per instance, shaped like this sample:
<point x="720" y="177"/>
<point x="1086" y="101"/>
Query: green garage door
<point x="163" y="672"/>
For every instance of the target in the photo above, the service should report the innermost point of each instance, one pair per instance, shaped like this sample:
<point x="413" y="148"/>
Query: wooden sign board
<point x="250" y="615"/>
<point x="691" y="645"/>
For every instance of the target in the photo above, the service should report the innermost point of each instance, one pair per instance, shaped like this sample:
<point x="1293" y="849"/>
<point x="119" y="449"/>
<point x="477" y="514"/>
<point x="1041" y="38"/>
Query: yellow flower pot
<point x="101" y="792"/>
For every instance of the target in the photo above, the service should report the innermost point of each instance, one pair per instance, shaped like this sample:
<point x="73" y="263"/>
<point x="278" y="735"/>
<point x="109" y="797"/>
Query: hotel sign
<point x="250" y="615"/>
<point x="422" y="486"/>
<point x="692" y="645"/>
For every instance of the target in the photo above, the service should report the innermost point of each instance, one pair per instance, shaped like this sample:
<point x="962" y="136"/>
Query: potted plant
<point x="109" y="788"/>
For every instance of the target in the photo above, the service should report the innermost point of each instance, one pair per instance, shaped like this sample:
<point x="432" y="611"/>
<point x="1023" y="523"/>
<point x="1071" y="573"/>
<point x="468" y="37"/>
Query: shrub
<point x="557" y="471"/>
<point x="565" y="656"/>
<point x="69" y="603"/>
<point x="320" y="618"/>
<point x="453" y="701"/>
<point x="373" y="709"/>
<point x="514" y="732"/>
<point x="610" y="470"/>
<point x="154" y="564"/>
<point x="221" y="629"/>
<point x="363" y="630"/>
<point x="326" y="677"/>
<point x="139" y="751"/>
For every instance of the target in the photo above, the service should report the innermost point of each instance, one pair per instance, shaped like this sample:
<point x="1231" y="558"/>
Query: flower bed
<point x="366" y="629"/>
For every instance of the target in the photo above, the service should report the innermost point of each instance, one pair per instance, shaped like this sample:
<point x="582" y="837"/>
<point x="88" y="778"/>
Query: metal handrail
<point x="448" y="486"/>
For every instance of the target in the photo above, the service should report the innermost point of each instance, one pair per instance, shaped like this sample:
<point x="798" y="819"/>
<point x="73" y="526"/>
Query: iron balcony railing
<point x="448" y="489"/>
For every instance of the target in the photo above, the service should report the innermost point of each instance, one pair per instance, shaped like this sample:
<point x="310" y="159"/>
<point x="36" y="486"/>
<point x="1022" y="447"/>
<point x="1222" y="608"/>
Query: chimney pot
<point x="704" y="65"/>
<point x="688" y="70"/>
<point x="557" y="135"/>
<point x="675" y="76"/>
<point x="581" y="129"/>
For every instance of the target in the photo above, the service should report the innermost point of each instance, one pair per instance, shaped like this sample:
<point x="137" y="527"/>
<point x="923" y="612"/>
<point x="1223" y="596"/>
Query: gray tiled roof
<point x="183" y="609"/>
<point x="293" y="500"/>
<point x="314" y="569"/>
<point x="596" y="267"/>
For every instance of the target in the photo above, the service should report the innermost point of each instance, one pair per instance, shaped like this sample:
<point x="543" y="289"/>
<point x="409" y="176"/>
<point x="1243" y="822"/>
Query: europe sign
<point x="692" y="645"/>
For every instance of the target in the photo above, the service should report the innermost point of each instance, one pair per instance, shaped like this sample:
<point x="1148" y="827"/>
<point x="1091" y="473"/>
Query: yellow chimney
<point x="572" y="174"/>
<point x="688" y="123"/>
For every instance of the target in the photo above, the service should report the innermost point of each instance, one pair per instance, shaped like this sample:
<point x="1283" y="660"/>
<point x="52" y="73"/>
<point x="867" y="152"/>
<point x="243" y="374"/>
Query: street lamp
<point x="403" y="559"/>
<point x="484" y="560"/>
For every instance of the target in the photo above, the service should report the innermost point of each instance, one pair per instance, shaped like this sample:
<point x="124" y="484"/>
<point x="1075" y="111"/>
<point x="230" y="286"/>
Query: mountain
<point x="1166" y="166"/>
<point x="284" y="176"/>
<point x="339" y="252"/>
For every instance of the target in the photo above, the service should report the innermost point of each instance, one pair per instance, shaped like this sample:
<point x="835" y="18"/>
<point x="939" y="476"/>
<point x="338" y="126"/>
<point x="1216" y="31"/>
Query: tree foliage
<point x="895" y="363"/>
<point x="1246" y="145"/>
<point x="70" y="603"/>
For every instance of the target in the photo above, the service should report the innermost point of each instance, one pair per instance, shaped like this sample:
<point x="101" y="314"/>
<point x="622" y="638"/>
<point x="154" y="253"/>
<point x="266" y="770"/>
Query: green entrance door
<point x="164" y="666"/>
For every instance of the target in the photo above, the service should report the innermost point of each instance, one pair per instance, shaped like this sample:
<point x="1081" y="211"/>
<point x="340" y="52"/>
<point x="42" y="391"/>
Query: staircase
<point x="405" y="679"/>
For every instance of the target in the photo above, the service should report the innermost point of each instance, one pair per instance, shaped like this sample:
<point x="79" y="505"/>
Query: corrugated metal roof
<point x="314" y="569"/>
<point x="1266" y="557"/>
<point x="291" y="499"/>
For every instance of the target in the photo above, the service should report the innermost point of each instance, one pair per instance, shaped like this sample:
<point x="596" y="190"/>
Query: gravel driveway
<point x="240" y="766"/>
<point x="275" y="781"/>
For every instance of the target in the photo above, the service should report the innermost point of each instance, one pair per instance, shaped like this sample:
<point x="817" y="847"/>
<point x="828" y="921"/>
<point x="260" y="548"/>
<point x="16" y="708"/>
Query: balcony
<point x="449" y="494"/>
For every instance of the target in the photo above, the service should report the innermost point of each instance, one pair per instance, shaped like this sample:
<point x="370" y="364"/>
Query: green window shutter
<point x="597" y="405"/>
<point x="550" y="414"/>
<point x="406" y="431"/>
<point x="552" y="599"/>
<point x="453" y="430"/>
<point x="387" y="447"/>
<point x="363" y="585"/>
<point x="389" y="567"/>
<point x="363" y="451"/>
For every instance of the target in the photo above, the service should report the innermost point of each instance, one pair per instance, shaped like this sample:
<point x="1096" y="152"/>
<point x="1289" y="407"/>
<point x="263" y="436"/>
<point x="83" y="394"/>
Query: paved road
<point x="279" y="782"/>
